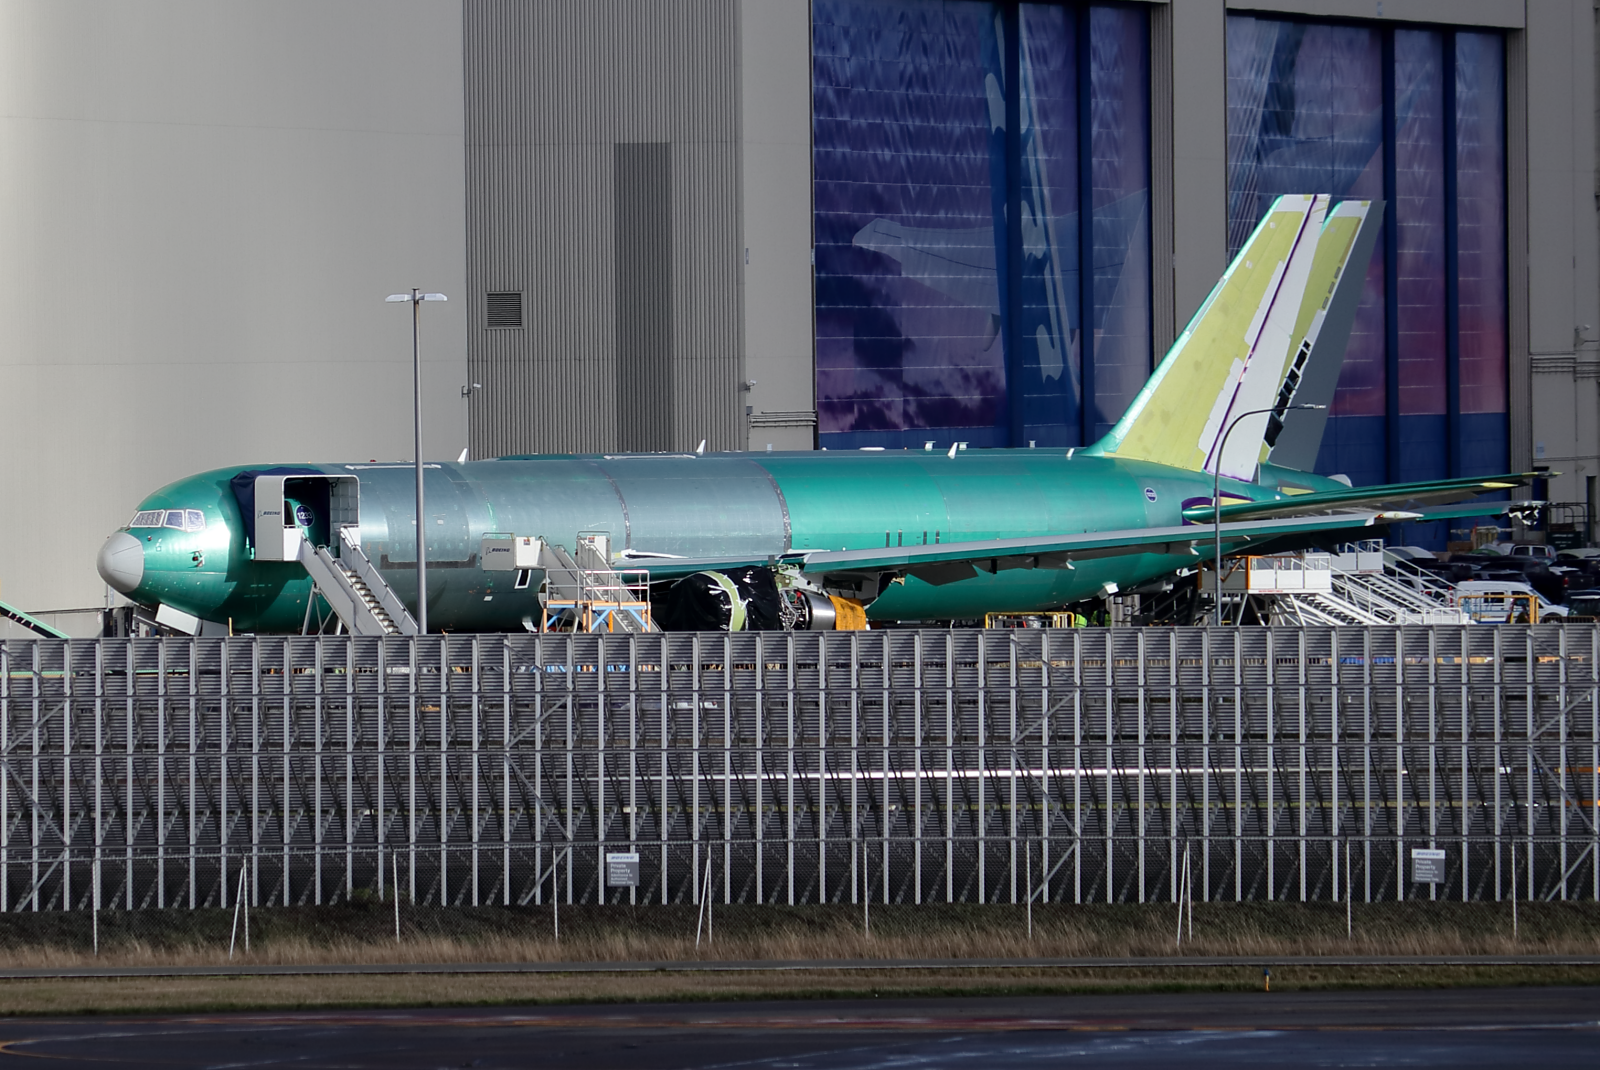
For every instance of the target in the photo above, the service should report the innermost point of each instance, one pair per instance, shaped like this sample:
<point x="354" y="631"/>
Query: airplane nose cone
<point x="121" y="562"/>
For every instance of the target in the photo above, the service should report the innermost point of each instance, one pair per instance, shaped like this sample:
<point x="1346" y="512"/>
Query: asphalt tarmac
<point x="1547" y="1028"/>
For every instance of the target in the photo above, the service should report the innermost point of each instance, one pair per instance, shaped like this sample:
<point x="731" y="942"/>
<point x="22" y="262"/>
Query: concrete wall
<point x="202" y="207"/>
<point x="775" y="163"/>
<point x="1199" y="152"/>
<point x="1563" y="245"/>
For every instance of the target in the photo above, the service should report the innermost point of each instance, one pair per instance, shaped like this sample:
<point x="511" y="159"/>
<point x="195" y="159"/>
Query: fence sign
<point x="1427" y="865"/>
<point x="622" y="869"/>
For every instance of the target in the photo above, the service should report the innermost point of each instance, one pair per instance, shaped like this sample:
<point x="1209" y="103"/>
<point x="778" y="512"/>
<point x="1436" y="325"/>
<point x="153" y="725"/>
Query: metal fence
<point x="1088" y="765"/>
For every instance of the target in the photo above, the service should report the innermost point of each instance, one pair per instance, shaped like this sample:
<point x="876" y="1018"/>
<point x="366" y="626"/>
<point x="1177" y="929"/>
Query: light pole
<point x="416" y="297"/>
<point x="1216" y="495"/>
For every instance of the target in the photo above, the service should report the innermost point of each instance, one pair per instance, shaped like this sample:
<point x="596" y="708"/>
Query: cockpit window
<point x="174" y="519"/>
<point x="149" y="518"/>
<point x="194" y="520"/>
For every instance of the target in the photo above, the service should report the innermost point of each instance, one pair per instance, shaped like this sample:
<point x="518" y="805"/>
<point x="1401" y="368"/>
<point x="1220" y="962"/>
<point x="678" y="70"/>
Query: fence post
<point x="1514" y="932"/>
<point x="1188" y="895"/>
<point x="1029" y="871"/>
<point x="1349" y="916"/>
<point x="394" y="861"/>
<point x="238" y="901"/>
<point x="96" y="923"/>
<point x="1183" y="886"/>
<point x="703" y="915"/>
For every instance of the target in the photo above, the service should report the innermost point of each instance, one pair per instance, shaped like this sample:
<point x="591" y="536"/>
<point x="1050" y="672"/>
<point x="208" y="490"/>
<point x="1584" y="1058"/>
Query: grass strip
<point x="173" y="995"/>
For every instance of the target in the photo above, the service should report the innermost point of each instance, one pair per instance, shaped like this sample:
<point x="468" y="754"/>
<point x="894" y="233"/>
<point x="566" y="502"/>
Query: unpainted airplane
<point x="920" y="534"/>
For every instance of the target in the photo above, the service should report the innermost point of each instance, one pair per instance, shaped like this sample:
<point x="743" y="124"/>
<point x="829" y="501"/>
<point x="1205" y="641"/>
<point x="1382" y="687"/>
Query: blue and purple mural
<point x="957" y="146"/>
<point x="1414" y="117"/>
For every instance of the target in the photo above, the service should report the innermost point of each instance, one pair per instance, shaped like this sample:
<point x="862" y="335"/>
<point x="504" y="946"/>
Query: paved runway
<point x="1556" y="1027"/>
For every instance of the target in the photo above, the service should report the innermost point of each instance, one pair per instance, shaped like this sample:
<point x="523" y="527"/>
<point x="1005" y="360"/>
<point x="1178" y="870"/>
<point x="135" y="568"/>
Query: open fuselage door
<point x="295" y="509"/>
<point x="316" y="521"/>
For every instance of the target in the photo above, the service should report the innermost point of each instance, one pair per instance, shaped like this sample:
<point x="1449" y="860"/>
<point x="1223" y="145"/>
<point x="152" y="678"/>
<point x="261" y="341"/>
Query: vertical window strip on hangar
<point x="958" y="148"/>
<point x="1414" y="116"/>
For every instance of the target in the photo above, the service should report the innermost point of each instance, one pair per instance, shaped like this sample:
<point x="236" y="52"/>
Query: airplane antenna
<point x="700" y="449"/>
<point x="952" y="453"/>
<point x="463" y="458"/>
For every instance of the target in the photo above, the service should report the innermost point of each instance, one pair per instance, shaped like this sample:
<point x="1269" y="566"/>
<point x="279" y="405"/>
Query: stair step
<point x="369" y="606"/>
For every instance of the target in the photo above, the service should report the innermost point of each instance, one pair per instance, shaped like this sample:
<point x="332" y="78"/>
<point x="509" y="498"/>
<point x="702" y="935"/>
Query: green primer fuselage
<point x="717" y="506"/>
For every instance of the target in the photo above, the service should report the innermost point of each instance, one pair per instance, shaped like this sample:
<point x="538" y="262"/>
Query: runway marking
<point x="8" y="1047"/>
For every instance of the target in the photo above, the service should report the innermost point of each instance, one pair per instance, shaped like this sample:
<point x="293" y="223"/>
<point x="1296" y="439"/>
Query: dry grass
<point x="363" y="934"/>
<point x="174" y="995"/>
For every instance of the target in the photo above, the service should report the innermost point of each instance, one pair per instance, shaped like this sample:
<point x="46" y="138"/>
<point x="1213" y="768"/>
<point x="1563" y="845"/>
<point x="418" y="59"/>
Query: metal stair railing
<point x="1419" y="579"/>
<point x="591" y="595"/>
<point x="355" y="590"/>
<point x="1330" y="609"/>
<point x="619" y="600"/>
<point x="1423" y="601"/>
<point x="1390" y="602"/>
<point x="33" y="624"/>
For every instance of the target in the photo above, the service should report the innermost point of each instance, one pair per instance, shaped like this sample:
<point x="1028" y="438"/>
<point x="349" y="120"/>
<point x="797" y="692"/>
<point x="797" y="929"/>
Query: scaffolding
<point x="586" y="593"/>
<point x="907" y="766"/>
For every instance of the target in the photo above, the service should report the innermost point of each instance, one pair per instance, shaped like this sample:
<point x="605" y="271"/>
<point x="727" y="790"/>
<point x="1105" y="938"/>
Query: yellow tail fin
<point x="1272" y="333"/>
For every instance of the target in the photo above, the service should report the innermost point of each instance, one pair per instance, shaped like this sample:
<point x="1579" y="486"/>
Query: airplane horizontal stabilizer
<point x="1397" y="496"/>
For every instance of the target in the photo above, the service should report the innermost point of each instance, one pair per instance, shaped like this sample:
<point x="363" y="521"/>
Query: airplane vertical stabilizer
<point x="1271" y="333"/>
<point x="1328" y="312"/>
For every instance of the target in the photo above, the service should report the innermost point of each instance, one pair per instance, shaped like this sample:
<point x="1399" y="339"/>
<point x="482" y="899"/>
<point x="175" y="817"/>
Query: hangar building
<point x="834" y="223"/>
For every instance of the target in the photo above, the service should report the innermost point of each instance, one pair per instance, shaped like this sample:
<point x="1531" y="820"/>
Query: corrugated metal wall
<point x="553" y="90"/>
<point x="642" y="247"/>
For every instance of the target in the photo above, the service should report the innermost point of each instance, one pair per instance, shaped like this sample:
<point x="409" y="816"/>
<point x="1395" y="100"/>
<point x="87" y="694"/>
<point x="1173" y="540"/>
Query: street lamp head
<point x="398" y="297"/>
<point x="1216" y="493"/>
<point x="416" y="297"/>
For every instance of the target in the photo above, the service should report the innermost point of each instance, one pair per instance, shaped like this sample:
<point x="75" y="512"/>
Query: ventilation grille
<point x="505" y="309"/>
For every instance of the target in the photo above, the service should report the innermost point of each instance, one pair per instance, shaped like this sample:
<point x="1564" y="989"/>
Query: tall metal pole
<point x="1216" y="497"/>
<point x="416" y="297"/>
<point x="416" y="418"/>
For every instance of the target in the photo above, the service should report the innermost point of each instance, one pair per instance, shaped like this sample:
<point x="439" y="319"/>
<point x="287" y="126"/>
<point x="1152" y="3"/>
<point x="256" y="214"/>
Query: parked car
<point x="1505" y="602"/>
<point x="1455" y="570"/>
<point x="1551" y="580"/>
<point x="1584" y="605"/>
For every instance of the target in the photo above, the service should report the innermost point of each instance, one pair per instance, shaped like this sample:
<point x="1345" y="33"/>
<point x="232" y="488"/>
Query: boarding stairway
<point x="1362" y="585"/>
<point x="33" y="624"/>
<point x="1391" y="589"/>
<point x="354" y="590"/>
<point x="585" y="593"/>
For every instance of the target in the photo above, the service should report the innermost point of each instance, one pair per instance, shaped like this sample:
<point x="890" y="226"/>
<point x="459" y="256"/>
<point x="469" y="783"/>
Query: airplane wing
<point x="948" y="562"/>
<point x="1394" y="496"/>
